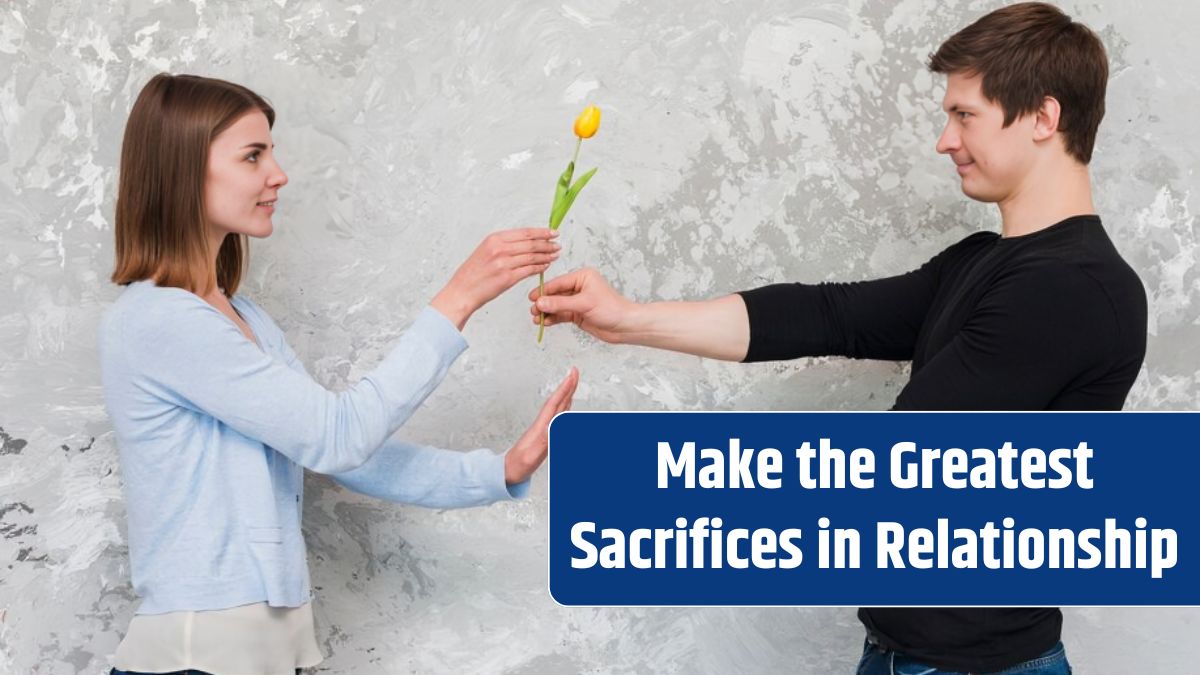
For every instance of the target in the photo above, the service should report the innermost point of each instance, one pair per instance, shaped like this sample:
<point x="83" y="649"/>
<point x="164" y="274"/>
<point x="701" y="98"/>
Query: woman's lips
<point x="963" y="168"/>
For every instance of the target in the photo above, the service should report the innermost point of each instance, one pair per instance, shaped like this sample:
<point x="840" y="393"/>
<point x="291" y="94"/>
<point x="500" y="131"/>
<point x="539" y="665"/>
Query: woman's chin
<point x="260" y="231"/>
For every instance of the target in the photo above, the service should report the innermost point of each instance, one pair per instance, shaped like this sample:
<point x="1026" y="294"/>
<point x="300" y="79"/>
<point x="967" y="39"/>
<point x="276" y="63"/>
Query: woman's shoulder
<point x="145" y="310"/>
<point x="245" y="305"/>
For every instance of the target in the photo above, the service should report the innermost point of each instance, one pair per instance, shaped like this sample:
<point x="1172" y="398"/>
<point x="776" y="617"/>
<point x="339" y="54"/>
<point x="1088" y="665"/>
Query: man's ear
<point x="1046" y="124"/>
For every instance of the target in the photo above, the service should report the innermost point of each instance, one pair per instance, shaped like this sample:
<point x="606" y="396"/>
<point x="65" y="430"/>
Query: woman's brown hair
<point x="160" y="228"/>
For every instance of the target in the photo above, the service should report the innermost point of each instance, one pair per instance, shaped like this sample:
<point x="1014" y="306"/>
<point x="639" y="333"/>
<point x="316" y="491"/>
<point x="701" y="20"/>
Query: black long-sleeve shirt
<point x="1053" y="320"/>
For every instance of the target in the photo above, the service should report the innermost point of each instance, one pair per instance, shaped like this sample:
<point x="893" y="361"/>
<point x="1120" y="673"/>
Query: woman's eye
<point x="252" y="157"/>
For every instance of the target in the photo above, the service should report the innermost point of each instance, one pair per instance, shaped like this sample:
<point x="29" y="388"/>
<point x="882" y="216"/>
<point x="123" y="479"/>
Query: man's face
<point x="992" y="161"/>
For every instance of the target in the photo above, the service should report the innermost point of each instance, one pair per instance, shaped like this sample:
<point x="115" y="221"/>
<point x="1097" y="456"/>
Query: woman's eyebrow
<point x="260" y="146"/>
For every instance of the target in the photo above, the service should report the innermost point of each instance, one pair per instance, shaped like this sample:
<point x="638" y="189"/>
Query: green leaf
<point x="583" y="180"/>
<point x="560" y="192"/>
<point x="560" y="209"/>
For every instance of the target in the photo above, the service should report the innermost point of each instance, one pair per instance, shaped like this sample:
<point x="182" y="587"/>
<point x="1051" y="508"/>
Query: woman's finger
<point x="527" y="259"/>
<point x="564" y="391"/>
<point x="567" y="385"/>
<point x="531" y="246"/>
<point x="565" y="404"/>
<point x="525" y="233"/>
<point x="527" y="271"/>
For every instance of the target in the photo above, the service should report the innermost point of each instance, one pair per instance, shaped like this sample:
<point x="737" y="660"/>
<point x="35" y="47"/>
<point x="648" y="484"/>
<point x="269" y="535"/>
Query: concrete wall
<point x="743" y="143"/>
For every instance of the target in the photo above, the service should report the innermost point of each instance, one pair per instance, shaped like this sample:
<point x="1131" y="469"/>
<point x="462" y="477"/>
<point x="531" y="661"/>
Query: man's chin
<point x="979" y="195"/>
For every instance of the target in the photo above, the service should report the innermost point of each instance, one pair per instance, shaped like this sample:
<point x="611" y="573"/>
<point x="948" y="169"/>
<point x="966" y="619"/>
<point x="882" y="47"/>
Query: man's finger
<point x="553" y="319"/>
<point x="568" y="283"/>
<point x="562" y="303"/>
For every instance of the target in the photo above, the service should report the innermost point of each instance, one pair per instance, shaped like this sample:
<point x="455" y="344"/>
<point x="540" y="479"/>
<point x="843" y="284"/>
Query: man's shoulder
<point x="968" y="245"/>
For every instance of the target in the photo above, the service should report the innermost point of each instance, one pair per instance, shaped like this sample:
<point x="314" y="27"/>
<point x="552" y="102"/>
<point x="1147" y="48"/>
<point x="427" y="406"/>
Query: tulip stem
<point x="542" y="316"/>
<point x="542" y="275"/>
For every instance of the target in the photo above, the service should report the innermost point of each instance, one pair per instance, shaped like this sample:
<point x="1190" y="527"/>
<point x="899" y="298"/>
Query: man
<point x="1044" y="316"/>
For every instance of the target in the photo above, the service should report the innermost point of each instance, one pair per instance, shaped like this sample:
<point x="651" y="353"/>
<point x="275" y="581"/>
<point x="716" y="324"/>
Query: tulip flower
<point x="588" y="122"/>
<point x="565" y="192"/>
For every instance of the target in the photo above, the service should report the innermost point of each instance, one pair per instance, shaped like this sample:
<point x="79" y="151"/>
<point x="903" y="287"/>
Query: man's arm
<point x="716" y="329"/>
<point x="1031" y="338"/>
<point x="877" y="319"/>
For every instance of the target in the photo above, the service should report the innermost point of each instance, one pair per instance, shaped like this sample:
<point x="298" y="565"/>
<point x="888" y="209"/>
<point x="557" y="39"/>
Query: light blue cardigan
<point x="215" y="433"/>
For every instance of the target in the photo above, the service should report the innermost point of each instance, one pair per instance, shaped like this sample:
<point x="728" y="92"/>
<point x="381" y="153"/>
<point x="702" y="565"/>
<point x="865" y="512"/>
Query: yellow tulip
<point x="565" y="191"/>
<point x="588" y="122"/>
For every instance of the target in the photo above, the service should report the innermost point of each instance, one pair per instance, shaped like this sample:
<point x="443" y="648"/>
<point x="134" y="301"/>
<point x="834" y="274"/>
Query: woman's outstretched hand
<point x="528" y="453"/>
<point x="502" y="259"/>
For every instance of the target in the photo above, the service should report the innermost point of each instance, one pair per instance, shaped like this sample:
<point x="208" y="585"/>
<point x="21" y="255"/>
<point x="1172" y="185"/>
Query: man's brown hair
<point x="1026" y="52"/>
<point x="160" y="227"/>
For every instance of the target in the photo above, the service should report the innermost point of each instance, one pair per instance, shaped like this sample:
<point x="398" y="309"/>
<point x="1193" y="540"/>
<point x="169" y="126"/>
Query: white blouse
<point x="248" y="640"/>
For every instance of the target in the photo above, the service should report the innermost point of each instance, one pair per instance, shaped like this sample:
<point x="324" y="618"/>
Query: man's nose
<point x="949" y="140"/>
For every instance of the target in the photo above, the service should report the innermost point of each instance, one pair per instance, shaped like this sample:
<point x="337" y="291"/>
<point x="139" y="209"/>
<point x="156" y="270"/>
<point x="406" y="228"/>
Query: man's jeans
<point x="879" y="661"/>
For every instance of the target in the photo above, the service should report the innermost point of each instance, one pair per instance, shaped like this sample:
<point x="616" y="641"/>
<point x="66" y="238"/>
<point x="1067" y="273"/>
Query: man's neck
<point x="1048" y="196"/>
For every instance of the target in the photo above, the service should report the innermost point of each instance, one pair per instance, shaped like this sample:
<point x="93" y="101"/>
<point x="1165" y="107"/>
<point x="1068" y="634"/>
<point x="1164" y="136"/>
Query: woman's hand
<point x="502" y="259"/>
<point x="530" y="450"/>
<point x="585" y="298"/>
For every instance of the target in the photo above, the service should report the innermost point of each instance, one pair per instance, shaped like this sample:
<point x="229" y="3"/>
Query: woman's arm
<point x="423" y="475"/>
<point x="426" y="476"/>
<point x="176" y="347"/>
<point x="408" y="473"/>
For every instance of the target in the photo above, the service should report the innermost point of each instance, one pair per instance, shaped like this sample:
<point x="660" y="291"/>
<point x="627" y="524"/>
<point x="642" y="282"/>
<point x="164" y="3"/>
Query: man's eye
<point x="962" y="114"/>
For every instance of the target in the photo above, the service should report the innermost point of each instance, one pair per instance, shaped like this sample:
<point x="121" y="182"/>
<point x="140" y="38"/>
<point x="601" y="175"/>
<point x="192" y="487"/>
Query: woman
<point x="216" y="418"/>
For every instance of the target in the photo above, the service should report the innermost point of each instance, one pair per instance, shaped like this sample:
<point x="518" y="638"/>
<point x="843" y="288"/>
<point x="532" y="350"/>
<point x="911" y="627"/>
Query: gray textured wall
<point x="743" y="143"/>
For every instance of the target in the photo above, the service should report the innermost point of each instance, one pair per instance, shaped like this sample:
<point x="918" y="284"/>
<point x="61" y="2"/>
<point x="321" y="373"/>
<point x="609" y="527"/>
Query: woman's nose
<point x="278" y="178"/>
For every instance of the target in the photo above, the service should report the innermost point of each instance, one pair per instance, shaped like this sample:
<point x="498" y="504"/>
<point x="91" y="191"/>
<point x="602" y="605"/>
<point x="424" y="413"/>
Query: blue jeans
<point x="879" y="661"/>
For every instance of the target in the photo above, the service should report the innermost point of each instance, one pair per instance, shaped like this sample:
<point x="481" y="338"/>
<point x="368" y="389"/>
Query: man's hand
<point x="584" y="298"/>
<point x="530" y="449"/>
<point x="715" y="329"/>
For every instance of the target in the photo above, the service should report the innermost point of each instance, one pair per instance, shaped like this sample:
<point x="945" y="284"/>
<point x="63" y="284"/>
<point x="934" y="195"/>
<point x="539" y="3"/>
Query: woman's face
<point x="243" y="179"/>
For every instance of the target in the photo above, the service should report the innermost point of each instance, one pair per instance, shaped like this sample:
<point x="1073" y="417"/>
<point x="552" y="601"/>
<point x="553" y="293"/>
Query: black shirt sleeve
<point x="877" y="319"/>
<point x="1033" y="334"/>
